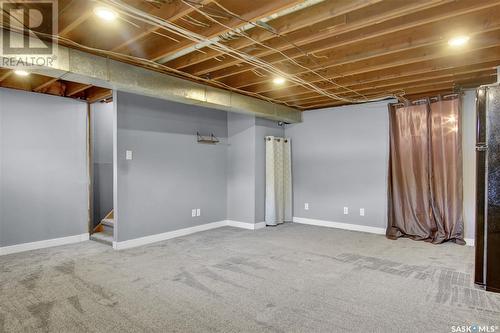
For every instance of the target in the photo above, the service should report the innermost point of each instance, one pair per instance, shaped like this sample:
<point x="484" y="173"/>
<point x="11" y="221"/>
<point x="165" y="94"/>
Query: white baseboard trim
<point x="469" y="241"/>
<point x="339" y="225"/>
<point x="353" y="227"/>
<point x="259" y="225"/>
<point x="184" y="232"/>
<point x="132" y="242"/>
<point x="166" y="235"/>
<point x="44" y="244"/>
<point x="245" y="225"/>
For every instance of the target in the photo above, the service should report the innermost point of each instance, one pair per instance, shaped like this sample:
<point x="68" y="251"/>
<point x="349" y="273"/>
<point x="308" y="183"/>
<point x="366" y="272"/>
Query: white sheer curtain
<point x="278" y="180"/>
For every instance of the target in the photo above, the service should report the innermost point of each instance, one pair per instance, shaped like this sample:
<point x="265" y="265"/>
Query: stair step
<point x="105" y="237"/>
<point x="108" y="222"/>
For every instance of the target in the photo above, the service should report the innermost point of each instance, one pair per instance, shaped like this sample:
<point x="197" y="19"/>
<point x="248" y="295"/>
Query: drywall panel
<point x="43" y="158"/>
<point x="340" y="159"/>
<point x="241" y="168"/>
<point x="170" y="173"/>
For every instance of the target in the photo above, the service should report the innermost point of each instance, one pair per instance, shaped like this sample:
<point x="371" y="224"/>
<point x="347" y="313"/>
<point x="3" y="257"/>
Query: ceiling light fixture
<point x="458" y="41"/>
<point x="21" y="72"/>
<point x="105" y="13"/>
<point x="278" y="80"/>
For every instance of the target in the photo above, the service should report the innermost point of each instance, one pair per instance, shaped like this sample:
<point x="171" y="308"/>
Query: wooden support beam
<point x="417" y="70"/>
<point x="406" y="58"/>
<point x="357" y="29"/>
<point x="72" y="15"/>
<point x="5" y="75"/>
<point x="386" y="44"/>
<point x="325" y="15"/>
<point x="424" y="87"/>
<point x="47" y="83"/>
<point x="393" y="85"/>
<point x="215" y="30"/>
<point x="361" y="45"/>
<point x="96" y="94"/>
<point x="74" y="88"/>
<point x="470" y="58"/>
<point x="169" y="11"/>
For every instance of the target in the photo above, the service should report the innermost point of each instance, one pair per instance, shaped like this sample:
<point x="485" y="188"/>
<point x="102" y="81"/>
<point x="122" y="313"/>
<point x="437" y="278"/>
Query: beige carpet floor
<point x="292" y="278"/>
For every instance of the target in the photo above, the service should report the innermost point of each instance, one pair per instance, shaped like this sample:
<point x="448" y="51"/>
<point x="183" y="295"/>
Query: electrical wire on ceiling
<point x="175" y="29"/>
<point x="293" y="61"/>
<point x="310" y="55"/>
<point x="273" y="31"/>
<point x="137" y="14"/>
<point x="134" y="60"/>
<point x="262" y="25"/>
<point x="150" y="64"/>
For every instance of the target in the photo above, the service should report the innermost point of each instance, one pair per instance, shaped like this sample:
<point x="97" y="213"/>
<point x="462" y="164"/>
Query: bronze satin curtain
<point x="425" y="172"/>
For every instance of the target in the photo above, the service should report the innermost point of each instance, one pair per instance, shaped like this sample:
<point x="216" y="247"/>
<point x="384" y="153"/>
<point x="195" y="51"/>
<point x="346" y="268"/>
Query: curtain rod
<point x="277" y="139"/>
<point x="426" y="99"/>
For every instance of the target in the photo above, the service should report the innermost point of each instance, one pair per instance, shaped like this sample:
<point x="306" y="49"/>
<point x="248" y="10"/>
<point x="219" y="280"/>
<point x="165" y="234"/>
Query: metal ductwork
<point x="82" y="67"/>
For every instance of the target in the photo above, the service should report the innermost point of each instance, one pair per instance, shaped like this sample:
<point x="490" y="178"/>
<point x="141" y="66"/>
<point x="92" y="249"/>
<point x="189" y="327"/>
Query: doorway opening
<point x="102" y="219"/>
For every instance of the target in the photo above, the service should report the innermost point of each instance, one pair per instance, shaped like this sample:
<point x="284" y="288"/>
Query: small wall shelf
<point x="207" y="139"/>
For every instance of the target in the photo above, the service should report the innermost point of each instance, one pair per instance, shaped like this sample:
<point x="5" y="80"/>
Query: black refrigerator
<point x="487" y="269"/>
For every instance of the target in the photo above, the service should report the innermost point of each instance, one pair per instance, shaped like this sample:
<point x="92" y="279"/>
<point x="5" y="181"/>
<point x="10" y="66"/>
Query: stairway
<point x="103" y="233"/>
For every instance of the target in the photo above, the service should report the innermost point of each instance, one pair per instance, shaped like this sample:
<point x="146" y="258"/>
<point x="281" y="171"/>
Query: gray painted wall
<point x="241" y="168"/>
<point x="102" y="158"/>
<point x="246" y="179"/>
<point x="170" y="173"/>
<point x="43" y="168"/>
<point x="340" y="158"/>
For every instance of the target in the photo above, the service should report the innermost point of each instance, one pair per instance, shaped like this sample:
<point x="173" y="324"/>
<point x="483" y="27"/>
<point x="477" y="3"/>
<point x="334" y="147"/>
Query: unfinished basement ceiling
<point x="53" y="86"/>
<point x="331" y="52"/>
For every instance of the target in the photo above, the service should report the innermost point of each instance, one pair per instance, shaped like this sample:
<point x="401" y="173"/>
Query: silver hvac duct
<point x="83" y="67"/>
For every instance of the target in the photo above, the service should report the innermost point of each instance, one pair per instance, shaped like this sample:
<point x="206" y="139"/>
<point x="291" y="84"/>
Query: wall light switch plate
<point x="361" y="212"/>
<point x="198" y="212"/>
<point x="346" y="210"/>
<point x="193" y="212"/>
<point x="128" y="155"/>
<point x="306" y="206"/>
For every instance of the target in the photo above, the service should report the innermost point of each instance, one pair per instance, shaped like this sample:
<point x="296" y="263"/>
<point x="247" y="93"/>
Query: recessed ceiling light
<point x="458" y="41"/>
<point x="105" y="13"/>
<point x="21" y="72"/>
<point x="278" y="80"/>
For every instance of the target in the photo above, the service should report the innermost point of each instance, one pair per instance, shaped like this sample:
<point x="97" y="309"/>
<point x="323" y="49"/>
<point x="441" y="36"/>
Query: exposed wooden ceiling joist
<point x="172" y="13"/>
<point x="52" y="86"/>
<point x="330" y="13"/>
<point x="320" y="36"/>
<point x="428" y="87"/>
<point x="74" y="88"/>
<point x="215" y="30"/>
<point x="433" y="34"/>
<point x="348" y="48"/>
<point x="392" y="83"/>
<point x="95" y="94"/>
<point x="488" y="56"/>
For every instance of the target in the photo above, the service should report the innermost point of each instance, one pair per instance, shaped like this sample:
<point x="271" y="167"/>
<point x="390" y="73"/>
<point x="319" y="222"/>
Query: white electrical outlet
<point x="346" y="210"/>
<point x="198" y="212"/>
<point x="306" y="206"/>
<point x="193" y="212"/>
<point x="128" y="155"/>
<point x="361" y="212"/>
